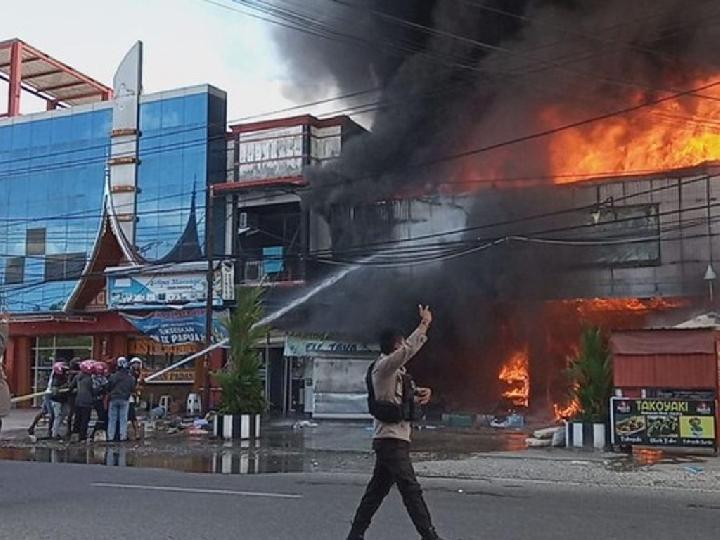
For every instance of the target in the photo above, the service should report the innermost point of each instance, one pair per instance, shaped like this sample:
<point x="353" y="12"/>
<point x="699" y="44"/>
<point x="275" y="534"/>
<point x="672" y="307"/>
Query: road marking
<point x="199" y="490"/>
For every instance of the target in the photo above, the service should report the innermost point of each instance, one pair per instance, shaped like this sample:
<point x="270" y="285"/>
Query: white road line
<point x="199" y="490"/>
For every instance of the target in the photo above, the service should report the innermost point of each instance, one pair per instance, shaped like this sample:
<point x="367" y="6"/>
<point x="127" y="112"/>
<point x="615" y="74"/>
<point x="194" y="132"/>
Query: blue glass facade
<point x="52" y="175"/>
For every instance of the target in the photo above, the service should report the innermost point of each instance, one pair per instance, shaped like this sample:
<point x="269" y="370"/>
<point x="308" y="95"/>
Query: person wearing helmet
<point x="121" y="385"/>
<point x="100" y="389"/>
<point x="73" y="371"/>
<point x="82" y="387"/>
<point x="59" y="394"/>
<point x="136" y="371"/>
<point x="45" y="410"/>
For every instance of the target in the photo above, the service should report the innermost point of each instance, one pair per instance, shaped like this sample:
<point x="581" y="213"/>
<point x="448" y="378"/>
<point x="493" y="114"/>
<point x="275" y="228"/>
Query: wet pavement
<point x="325" y="447"/>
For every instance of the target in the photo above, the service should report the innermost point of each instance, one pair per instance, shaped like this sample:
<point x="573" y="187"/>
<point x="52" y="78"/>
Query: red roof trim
<point x="291" y="121"/>
<point x="227" y="187"/>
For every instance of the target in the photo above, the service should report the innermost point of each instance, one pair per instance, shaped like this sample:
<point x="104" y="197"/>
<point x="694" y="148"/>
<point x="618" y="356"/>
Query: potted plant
<point x="590" y="374"/>
<point x="243" y="393"/>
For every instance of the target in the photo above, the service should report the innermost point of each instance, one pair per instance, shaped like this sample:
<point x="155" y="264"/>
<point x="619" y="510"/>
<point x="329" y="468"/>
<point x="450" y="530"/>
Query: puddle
<point x="220" y="462"/>
<point x="326" y="448"/>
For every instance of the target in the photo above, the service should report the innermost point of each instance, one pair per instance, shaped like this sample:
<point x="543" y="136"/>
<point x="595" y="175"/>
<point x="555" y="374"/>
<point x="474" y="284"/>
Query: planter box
<point x="586" y="435"/>
<point x="237" y="426"/>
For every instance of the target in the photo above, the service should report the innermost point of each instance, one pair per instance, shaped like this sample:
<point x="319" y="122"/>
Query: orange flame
<point x="565" y="412"/>
<point x="514" y="372"/>
<point x="594" y="305"/>
<point x="678" y="133"/>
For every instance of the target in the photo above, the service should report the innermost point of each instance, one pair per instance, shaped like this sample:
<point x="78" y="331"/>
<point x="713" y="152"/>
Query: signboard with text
<point x="297" y="346"/>
<point x="174" y="328"/>
<point x="663" y="422"/>
<point x="153" y="289"/>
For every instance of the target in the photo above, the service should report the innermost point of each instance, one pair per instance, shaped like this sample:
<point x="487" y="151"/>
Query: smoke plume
<point x="459" y="77"/>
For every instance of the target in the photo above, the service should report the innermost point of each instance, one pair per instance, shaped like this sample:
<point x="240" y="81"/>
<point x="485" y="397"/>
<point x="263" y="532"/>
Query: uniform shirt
<point x="387" y="382"/>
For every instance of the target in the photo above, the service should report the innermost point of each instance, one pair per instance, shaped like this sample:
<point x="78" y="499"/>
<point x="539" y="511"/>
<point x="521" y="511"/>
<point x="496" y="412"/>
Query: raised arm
<point x="410" y="346"/>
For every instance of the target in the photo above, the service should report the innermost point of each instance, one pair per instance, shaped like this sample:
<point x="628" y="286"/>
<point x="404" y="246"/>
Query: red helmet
<point x="87" y="366"/>
<point x="59" y="368"/>
<point x="100" y="368"/>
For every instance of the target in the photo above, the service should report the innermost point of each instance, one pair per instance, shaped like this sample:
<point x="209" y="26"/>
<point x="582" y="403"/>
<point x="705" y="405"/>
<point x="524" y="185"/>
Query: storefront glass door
<point x="50" y="349"/>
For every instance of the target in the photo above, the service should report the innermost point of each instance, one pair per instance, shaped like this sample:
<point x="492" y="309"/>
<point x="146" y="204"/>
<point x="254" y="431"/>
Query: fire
<point x="516" y="375"/>
<point x="678" y="133"/>
<point x="626" y="304"/>
<point x="565" y="412"/>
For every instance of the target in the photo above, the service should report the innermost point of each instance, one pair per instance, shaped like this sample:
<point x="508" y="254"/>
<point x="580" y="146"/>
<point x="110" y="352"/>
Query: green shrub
<point x="243" y="391"/>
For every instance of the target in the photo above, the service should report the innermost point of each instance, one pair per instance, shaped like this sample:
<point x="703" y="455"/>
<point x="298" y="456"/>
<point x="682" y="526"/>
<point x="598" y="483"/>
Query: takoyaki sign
<point x="663" y="422"/>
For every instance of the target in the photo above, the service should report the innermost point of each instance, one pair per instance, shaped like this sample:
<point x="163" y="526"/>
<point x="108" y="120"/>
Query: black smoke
<point x="458" y="76"/>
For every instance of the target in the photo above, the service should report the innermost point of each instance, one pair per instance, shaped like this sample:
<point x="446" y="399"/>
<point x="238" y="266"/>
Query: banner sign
<point x="145" y="346"/>
<point x="176" y="376"/>
<point x="663" y="422"/>
<point x="153" y="289"/>
<point x="177" y="327"/>
<point x="296" y="346"/>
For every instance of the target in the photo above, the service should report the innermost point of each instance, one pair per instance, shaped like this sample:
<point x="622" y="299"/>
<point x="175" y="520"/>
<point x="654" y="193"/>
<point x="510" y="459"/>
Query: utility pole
<point x="210" y="278"/>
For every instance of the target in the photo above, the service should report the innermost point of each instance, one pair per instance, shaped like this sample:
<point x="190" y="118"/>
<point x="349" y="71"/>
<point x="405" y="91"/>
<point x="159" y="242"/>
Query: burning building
<point x="532" y="167"/>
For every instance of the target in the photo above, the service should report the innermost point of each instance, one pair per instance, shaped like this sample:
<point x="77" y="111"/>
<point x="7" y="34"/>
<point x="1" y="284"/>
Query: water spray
<point x="327" y="282"/>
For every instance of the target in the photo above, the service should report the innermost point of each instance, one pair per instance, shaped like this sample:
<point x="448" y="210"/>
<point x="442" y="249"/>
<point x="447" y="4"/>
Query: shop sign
<point x="296" y="346"/>
<point x="145" y="346"/>
<point x="177" y="327"/>
<point x="663" y="422"/>
<point x="175" y="376"/>
<point x="143" y="291"/>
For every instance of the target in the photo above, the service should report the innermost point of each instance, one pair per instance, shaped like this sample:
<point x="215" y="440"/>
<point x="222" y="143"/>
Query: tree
<point x="242" y="386"/>
<point x="591" y="376"/>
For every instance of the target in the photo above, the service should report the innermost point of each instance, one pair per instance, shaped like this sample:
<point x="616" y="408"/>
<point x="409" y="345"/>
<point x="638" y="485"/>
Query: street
<point x="49" y="501"/>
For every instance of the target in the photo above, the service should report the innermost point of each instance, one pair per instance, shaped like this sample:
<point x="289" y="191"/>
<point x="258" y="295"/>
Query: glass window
<point x="14" y="270"/>
<point x="35" y="241"/>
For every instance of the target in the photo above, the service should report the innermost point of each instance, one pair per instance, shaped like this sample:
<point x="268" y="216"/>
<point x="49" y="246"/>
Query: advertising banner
<point x="152" y="289"/>
<point x="177" y="327"/>
<point x="663" y="422"/>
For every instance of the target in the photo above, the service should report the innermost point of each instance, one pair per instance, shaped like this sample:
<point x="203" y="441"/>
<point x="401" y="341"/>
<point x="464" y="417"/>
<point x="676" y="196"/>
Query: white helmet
<point x="122" y="363"/>
<point x="136" y="360"/>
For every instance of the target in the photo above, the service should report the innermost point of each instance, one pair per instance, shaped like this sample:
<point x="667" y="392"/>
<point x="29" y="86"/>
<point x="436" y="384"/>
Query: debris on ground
<point x="302" y="424"/>
<point x="510" y="421"/>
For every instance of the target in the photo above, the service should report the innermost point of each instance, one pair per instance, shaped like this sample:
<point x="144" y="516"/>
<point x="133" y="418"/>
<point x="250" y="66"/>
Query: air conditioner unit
<point x="254" y="271"/>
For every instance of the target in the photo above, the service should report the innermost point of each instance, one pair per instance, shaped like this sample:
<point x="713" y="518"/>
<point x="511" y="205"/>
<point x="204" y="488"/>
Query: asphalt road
<point x="54" y="501"/>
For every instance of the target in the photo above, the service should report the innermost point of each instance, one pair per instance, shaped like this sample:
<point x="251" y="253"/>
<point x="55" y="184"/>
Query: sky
<point x="186" y="42"/>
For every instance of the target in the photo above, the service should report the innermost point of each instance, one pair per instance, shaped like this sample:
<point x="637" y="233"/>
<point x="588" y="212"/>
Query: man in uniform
<point x="391" y="440"/>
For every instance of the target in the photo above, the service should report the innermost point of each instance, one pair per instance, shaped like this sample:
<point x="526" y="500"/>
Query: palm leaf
<point x="242" y="386"/>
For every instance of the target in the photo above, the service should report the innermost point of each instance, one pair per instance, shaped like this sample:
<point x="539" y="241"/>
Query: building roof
<point x="50" y="78"/>
<point x="292" y="121"/>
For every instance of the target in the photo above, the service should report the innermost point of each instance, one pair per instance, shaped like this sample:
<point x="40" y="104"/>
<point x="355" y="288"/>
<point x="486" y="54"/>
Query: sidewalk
<point x="581" y="468"/>
<point x="17" y="422"/>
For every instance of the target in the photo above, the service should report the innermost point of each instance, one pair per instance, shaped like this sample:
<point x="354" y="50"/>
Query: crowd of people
<point x="79" y="388"/>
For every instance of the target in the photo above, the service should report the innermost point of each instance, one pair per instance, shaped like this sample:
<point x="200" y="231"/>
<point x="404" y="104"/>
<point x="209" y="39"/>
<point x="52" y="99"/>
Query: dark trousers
<point x="393" y="467"/>
<point x="101" y="424"/>
<point x="82" y="419"/>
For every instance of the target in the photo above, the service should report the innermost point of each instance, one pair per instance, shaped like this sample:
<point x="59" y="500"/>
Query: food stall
<point x="666" y="388"/>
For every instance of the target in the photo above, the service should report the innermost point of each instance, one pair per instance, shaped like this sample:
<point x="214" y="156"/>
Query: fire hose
<point x="28" y="397"/>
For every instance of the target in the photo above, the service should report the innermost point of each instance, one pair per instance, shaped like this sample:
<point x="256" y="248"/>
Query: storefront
<point x="37" y="341"/>
<point x="329" y="375"/>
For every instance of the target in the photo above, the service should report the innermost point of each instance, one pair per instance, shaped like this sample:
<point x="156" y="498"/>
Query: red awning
<point x="663" y="342"/>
